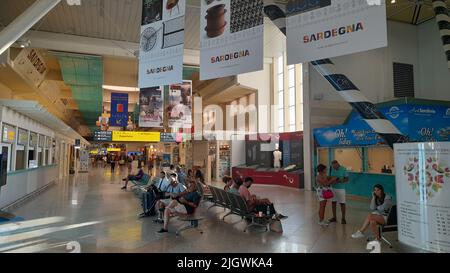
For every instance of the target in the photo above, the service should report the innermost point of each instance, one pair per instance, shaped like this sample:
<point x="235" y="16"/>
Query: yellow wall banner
<point x="127" y="136"/>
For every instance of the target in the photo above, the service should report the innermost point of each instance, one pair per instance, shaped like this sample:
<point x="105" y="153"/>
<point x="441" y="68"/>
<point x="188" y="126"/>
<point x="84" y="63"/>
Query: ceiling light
<point x="121" y="88"/>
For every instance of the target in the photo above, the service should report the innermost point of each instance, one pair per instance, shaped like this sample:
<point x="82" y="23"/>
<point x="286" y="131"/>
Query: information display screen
<point x="103" y="136"/>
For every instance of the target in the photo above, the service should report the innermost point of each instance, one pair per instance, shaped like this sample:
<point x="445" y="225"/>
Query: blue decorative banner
<point x="421" y="122"/>
<point x="119" y="109"/>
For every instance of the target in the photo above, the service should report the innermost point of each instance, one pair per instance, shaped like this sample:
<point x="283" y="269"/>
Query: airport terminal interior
<point x="224" y="126"/>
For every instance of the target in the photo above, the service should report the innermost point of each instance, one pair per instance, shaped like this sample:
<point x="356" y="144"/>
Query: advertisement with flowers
<point x="423" y="190"/>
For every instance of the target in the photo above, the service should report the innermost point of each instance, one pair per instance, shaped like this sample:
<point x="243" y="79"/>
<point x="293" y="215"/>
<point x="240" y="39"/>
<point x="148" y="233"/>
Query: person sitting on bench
<point x="172" y="191"/>
<point x="228" y="181"/>
<point x="184" y="204"/>
<point x="256" y="204"/>
<point x="237" y="183"/>
<point x="136" y="177"/>
<point x="381" y="204"/>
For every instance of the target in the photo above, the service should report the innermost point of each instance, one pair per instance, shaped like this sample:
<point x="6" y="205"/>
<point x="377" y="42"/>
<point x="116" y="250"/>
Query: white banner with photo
<point x="180" y="105"/>
<point x="162" y="42"/>
<point x="331" y="28"/>
<point x="151" y="107"/>
<point x="231" y="37"/>
<point x="422" y="182"/>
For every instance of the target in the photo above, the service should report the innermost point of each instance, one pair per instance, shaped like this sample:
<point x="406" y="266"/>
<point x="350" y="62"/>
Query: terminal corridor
<point x="92" y="210"/>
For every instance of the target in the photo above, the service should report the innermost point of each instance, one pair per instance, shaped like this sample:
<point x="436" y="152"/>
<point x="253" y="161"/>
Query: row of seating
<point x="145" y="179"/>
<point x="237" y="206"/>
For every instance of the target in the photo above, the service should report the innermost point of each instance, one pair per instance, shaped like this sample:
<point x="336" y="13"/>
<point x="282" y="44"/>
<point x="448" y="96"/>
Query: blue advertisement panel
<point x="119" y="110"/>
<point x="420" y="122"/>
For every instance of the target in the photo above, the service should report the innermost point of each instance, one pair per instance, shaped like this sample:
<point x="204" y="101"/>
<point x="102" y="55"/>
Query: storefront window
<point x="351" y="158"/>
<point x="22" y="142"/>
<point x="32" y="150"/>
<point x="381" y="160"/>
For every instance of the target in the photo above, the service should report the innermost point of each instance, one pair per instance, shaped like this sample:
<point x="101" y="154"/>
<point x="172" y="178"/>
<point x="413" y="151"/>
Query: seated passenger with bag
<point x="136" y="177"/>
<point x="152" y="194"/>
<point x="173" y="190"/>
<point x="257" y="204"/>
<point x="184" y="204"/>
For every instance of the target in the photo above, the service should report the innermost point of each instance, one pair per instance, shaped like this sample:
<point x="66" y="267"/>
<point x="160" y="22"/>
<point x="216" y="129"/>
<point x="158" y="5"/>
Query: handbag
<point x="276" y="226"/>
<point x="327" y="194"/>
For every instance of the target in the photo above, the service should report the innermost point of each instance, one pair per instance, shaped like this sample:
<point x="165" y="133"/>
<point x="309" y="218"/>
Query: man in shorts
<point x="340" y="172"/>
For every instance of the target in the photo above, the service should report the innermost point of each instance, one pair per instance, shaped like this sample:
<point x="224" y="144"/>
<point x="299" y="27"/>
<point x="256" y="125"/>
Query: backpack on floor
<point x="149" y="203"/>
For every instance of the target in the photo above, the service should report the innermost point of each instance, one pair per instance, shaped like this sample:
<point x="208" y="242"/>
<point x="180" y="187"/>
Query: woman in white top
<point x="381" y="204"/>
<point x="323" y="183"/>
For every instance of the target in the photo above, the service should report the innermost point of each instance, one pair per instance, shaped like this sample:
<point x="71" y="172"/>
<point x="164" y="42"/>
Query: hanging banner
<point x="162" y="42"/>
<point x="422" y="181"/>
<point x="151" y="107"/>
<point x="330" y="28"/>
<point x="119" y="109"/>
<point x="231" y="37"/>
<point x="180" y="105"/>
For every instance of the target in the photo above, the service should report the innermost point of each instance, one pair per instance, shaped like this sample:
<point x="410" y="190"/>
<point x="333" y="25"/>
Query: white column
<point x="24" y="22"/>
<point x="307" y="132"/>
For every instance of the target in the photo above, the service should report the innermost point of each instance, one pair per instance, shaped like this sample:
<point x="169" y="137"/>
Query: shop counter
<point x="293" y="179"/>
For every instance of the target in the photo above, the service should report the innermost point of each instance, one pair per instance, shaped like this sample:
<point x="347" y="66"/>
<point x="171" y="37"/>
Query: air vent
<point x="403" y="80"/>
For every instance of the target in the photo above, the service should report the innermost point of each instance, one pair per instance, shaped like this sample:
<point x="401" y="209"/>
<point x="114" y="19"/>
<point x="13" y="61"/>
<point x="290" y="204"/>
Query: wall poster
<point x="162" y="42"/>
<point x="119" y="109"/>
<point x="231" y="37"/>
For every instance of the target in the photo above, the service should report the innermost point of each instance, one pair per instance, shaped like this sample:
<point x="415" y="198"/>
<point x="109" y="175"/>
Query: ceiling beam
<point x="94" y="46"/>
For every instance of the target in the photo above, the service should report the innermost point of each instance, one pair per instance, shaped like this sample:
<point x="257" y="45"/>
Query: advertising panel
<point x="231" y="37"/>
<point x="162" y="42"/>
<point x="329" y="28"/>
<point x="119" y="110"/>
<point x="423" y="186"/>
<point x="151" y="107"/>
<point x="22" y="137"/>
<point x="8" y="133"/>
<point x="180" y="105"/>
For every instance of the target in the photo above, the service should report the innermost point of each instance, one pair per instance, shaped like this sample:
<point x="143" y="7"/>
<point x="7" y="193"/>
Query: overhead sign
<point x="101" y="136"/>
<point x="127" y="136"/>
<point x="231" y="37"/>
<point x="113" y="150"/>
<point x="420" y="122"/>
<point x="329" y="28"/>
<point x="422" y="180"/>
<point x="162" y="42"/>
<point x="119" y="110"/>
<point x="180" y="105"/>
<point x="151" y="107"/>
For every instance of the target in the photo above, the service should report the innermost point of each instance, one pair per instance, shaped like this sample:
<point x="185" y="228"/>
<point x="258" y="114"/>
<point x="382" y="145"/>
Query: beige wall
<point x="5" y="92"/>
<point x="378" y="157"/>
<point x="351" y="158"/>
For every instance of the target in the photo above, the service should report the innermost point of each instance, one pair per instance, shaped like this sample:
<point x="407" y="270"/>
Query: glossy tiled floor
<point x="92" y="210"/>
